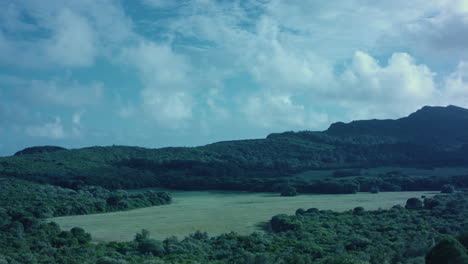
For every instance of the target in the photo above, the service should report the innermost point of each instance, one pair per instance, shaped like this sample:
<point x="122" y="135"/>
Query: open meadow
<point x="220" y="212"/>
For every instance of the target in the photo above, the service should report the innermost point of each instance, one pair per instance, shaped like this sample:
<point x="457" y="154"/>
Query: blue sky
<point x="157" y="73"/>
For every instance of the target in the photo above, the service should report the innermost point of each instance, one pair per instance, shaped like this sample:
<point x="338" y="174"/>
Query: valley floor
<point x="220" y="212"/>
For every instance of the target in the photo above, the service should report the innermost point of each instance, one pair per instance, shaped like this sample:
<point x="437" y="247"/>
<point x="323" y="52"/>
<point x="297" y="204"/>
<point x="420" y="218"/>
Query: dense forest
<point x="431" y="137"/>
<point x="45" y="201"/>
<point x="426" y="229"/>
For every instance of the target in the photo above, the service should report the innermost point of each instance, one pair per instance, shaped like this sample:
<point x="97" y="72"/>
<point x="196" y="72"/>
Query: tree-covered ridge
<point x="442" y="127"/>
<point x="431" y="137"/>
<point x="44" y="201"/>
<point x="39" y="149"/>
<point x="398" y="235"/>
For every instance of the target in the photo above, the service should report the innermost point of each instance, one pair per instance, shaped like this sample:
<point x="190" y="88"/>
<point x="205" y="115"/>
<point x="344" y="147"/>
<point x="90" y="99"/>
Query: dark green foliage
<point x="414" y="204"/>
<point x="346" y="173"/>
<point x="288" y="190"/>
<point x="359" y="211"/>
<point x="263" y="164"/>
<point x="45" y="201"/>
<point x="38" y="150"/>
<point x="108" y="260"/>
<point x="151" y="246"/>
<point x="300" y="211"/>
<point x="397" y="235"/>
<point x="282" y="222"/>
<point x="463" y="238"/>
<point x="447" y="188"/>
<point x="447" y="251"/>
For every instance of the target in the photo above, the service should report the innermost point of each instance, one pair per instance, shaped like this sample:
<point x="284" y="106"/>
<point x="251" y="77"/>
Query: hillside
<point x="441" y="127"/>
<point x="432" y="136"/>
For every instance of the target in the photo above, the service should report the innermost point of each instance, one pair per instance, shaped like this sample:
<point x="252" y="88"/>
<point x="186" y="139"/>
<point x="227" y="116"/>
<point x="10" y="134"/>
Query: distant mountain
<point x="430" y="137"/>
<point x="443" y="127"/>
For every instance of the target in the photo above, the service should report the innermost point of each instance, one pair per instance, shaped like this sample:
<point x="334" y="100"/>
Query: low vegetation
<point x="397" y="235"/>
<point x="44" y="201"/>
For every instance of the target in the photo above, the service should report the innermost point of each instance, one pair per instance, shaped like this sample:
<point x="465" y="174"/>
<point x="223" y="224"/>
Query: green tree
<point x="288" y="190"/>
<point x="414" y="204"/>
<point x="447" y="188"/>
<point x="447" y="251"/>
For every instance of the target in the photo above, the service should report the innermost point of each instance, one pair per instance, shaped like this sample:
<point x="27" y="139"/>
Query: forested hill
<point x="444" y="127"/>
<point x="432" y="136"/>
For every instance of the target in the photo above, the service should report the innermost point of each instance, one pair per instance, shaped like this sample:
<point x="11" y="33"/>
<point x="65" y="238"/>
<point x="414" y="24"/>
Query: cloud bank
<point x="184" y="71"/>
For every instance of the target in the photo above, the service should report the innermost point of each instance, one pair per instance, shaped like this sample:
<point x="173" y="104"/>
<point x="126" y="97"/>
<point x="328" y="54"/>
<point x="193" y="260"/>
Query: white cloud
<point x="168" y="108"/>
<point x="371" y="90"/>
<point x="77" y="126"/>
<point x="455" y="90"/>
<point x="74" y="42"/>
<point x="64" y="92"/>
<point x="127" y="111"/>
<point x="64" y="33"/>
<point x="166" y="95"/>
<point x="76" y="118"/>
<point x="160" y="3"/>
<point x="51" y="130"/>
<point x="292" y="60"/>
<point x="279" y="111"/>
<point x="400" y="79"/>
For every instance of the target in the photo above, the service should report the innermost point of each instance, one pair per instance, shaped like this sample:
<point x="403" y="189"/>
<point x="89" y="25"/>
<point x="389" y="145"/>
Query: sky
<point x="156" y="73"/>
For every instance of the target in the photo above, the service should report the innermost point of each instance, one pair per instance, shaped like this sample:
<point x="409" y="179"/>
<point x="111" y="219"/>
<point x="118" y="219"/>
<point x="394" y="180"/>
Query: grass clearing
<point x="219" y="212"/>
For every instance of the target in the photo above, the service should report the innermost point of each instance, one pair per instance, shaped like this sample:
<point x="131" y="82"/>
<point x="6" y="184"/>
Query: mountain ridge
<point x="430" y="137"/>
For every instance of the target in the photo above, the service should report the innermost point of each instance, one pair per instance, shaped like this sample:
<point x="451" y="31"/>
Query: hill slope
<point x="432" y="136"/>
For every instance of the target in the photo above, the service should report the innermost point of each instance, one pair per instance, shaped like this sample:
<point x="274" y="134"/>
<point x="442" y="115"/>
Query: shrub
<point x="447" y="188"/>
<point x="448" y="250"/>
<point x="151" y="246"/>
<point x="108" y="260"/>
<point x="288" y="190"/>
<point x="358" y="211"/>
<point x="282" y="222"/>
<point x="413" y="204"/>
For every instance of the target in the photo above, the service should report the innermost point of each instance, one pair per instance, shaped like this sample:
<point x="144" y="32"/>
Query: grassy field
<point x="219" y="212"/>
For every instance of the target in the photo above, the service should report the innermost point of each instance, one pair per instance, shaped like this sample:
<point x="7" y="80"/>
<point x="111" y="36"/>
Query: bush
<point x="414" y="204"/>
<point x="448" y="250"/>
<point x="282" y="222"/>
<point x="463" y="238"/>
<point x="300" y="211"/>
<point x="108" y="260"/>
<point x="358" y="211"/>
<point x="288" y="190"/>
<point x="151" y="246"/>
<point x="447" y="188"/>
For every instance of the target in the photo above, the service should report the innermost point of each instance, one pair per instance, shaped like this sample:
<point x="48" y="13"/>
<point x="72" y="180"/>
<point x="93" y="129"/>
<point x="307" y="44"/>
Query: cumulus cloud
<point x="167" y="108"/>
<point x="400" y="79"/>
<point x="51" y="130"/>
<point x="279" y="111"/>
<point x="63" y="92"/>
<point x="205" y="63"/>
<point x="127" y="111"/>
<point x="64" y="33"/>
<point x="74" y="42"/>
<point x="456" y="86"/>
<point x="160" y="3"/>
<point x="371" y="90"/>
<point x="166" y="94"/>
